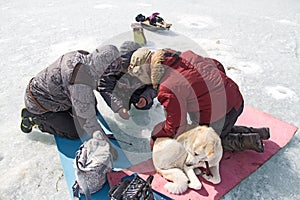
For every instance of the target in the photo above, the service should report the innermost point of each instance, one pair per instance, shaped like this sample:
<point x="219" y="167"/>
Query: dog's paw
<point x="195" y="185"/>
<point x="212" y="179"/>
<point x="176" y="188"/>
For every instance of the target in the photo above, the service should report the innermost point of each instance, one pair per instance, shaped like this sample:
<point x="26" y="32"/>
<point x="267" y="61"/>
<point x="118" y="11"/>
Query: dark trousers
<point x="236" y="138"/>
<point x="226" y="125"/>
<point x="63" y="124"/>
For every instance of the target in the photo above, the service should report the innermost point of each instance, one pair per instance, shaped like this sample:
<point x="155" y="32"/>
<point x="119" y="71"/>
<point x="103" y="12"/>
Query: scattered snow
<point x="257" y="41"/>
<point x="280" y="93"/>
<point x="196" y="21"/>
<point x="104" y="6"/>
<point x="249" y="68"/>
<point x="144" y="5"/>
<point x="288" y="22"/>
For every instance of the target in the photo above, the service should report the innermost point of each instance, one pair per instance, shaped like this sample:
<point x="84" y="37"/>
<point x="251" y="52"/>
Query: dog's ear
<point x="209" y="149"/>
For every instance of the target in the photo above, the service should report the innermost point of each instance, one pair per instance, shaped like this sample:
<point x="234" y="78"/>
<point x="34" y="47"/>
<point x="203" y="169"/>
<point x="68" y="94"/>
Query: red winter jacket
<point x="197" y="85"/>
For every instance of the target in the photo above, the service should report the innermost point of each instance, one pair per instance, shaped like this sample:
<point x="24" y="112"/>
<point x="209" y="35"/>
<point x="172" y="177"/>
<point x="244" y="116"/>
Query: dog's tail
<point x="179" y="180"/>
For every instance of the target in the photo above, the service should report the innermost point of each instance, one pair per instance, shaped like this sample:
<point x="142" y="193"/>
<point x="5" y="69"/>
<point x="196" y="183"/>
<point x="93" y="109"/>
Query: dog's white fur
<point x="178" y="160"/>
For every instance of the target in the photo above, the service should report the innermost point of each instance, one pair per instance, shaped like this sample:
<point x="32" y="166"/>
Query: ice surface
<point x="257" y="41"/>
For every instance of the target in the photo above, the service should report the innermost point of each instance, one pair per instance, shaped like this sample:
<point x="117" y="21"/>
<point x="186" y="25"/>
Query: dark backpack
<point x="140" y="18"/>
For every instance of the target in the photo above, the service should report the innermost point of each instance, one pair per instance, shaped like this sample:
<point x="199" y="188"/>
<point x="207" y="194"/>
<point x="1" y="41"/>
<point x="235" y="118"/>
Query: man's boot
<point x="264" y="133"/>
<point x="231" y="142"/>
<point x="252" y="141"/>
<point x="242" y="141"/>
<point x="27" y="122"/>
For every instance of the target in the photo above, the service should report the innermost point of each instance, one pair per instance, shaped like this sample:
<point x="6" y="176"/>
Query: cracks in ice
<point x="233" y="68"/>
<point x="296" y="48"/>
<point x="58" y="180"/>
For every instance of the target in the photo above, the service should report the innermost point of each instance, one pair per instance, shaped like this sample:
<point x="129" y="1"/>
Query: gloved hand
<point x="141" y="103"/>
<point x="124" y="113"/>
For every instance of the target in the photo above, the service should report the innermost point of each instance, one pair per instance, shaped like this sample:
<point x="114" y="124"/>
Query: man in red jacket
<point x="195" y="86"/>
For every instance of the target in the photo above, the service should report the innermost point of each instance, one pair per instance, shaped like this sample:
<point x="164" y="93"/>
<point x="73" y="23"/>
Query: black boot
<point x="264" y="133"/>
<point x="27" y="121"/>
<point x="242" y="141"/>
<point x="252" y="141"/>
<point x="231" y="142"/>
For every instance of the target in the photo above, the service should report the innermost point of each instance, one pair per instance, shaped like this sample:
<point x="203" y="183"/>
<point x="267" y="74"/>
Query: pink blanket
<point x="234" y="167"/>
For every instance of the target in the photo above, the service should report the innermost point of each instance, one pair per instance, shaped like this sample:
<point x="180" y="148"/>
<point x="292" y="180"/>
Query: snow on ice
<point x="257" y="41"/>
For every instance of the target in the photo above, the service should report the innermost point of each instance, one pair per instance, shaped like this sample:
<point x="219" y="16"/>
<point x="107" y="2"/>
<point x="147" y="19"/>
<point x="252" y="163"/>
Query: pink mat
<point x="234" y="167"/>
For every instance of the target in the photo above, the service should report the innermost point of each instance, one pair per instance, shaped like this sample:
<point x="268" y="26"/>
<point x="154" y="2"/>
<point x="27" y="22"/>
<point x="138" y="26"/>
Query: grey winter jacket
<point x="53" y="91"/>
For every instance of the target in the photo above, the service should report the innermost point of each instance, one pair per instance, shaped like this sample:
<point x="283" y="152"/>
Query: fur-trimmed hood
<point x="157" y="68"/>
<point x="147" y="66"/>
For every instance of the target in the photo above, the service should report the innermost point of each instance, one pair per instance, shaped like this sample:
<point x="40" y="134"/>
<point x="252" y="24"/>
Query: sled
<point x="153" y="22"/>
<point x="161" y="27"/>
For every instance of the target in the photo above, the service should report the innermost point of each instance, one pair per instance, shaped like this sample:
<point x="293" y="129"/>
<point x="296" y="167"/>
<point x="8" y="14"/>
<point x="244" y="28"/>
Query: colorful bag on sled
<point x="153" y="23"/>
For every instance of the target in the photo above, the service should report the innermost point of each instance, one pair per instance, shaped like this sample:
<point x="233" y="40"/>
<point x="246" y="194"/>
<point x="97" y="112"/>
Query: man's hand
<point x="141" y="103"/>
<point x="124" y="113"/>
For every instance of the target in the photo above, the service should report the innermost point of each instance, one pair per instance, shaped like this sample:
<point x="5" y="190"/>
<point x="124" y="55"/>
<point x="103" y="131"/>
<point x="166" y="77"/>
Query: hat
<point x="126" y="51"/>
<point x="103" y="56"/>
<point x="138" y="68"/>
<point x="139" y="57"/>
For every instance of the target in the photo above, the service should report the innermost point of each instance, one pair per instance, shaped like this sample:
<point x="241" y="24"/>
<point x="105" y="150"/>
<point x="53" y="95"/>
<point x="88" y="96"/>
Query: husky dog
<point x="178" y="160"/>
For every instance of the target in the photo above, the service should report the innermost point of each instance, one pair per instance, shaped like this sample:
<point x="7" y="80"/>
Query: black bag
<point x="132" y="188"/>
<point x="140" y="18"/>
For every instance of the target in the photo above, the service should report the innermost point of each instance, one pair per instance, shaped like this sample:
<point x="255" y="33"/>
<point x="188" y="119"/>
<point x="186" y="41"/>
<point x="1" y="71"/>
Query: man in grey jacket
<point x="60" y="99"/>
